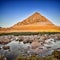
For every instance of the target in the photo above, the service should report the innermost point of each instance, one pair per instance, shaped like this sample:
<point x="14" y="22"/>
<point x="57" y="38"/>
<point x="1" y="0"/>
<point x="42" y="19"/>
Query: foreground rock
<point x="6" y="47"/>
<point x="35" y="44"/>
<point x="5" y="41"/>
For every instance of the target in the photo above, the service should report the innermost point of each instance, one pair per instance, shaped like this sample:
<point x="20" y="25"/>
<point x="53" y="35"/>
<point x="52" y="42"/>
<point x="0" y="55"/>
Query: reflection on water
<point x="17" y="48"/>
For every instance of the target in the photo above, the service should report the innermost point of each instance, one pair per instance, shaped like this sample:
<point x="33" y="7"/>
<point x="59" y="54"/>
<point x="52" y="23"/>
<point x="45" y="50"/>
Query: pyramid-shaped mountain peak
<point x="37" y="13"/>
<point x="33" y="19"/>
<point x="34" y="23"/>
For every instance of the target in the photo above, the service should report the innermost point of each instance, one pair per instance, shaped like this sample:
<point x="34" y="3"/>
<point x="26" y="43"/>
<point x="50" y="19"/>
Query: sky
<point x="14" y="11"/>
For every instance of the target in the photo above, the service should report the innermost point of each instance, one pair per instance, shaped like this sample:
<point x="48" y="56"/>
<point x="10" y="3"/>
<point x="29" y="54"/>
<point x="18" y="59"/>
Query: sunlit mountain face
<point x="34" y="23"/>
<point x="37" y="19"/>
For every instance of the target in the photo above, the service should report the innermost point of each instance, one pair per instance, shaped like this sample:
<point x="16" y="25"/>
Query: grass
<point x="28" y="33"/>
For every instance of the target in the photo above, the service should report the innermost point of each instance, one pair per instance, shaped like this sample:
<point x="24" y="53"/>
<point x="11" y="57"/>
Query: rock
<point x="6" y="47"/>
<point x="5" y="41"/>
<point x="35" y="44"/>
<point x="0" y="42"/>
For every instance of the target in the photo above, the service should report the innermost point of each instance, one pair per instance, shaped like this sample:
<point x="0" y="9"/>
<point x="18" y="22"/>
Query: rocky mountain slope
<point x="34" y="23"/>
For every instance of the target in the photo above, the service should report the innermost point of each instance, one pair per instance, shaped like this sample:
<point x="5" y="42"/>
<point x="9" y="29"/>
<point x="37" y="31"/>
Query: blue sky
<point x="13" y="11"/>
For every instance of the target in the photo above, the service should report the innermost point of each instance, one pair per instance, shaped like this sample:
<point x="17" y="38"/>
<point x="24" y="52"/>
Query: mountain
<point x="34" y="23"/>
<point x="36" y="18"/>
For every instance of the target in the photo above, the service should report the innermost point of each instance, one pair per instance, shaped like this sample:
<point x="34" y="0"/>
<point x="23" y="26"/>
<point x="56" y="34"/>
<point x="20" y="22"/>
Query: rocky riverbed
<point x="42" y="44"/>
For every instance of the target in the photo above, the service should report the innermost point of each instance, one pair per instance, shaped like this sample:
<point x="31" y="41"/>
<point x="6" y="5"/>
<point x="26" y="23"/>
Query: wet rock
<point x="35" y="44"/>
<point x="6" y="47"/>
<point x="27" y="41"/>
<point x="0" y="42"/>
<point x="19" y="38"/>
<point x="3" y="58"/>
<point x="37" y="50"/>
<point x="5" y="41"/>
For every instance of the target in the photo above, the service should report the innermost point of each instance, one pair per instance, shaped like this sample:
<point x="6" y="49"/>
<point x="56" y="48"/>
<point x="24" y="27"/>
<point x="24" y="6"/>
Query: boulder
<point x="35" y="44"/>
<point x="6" y="47"/>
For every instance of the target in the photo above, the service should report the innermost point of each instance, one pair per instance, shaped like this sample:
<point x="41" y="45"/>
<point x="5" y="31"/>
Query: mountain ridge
<point x="35" y="18"/>
<point x="34" y="23"/>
